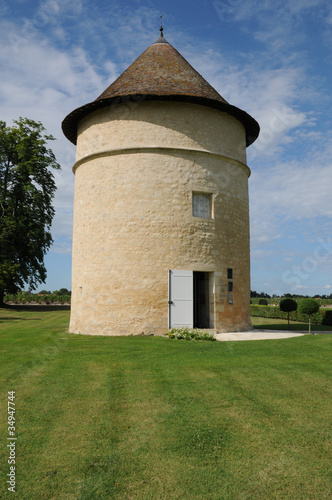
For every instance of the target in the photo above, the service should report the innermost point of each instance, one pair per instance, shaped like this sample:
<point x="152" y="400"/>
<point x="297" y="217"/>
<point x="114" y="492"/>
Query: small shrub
<point x="263" y="302"/>
<point x="288" y="305"/>
<point x="186" y="333"/>
<point x="309" y="306"/>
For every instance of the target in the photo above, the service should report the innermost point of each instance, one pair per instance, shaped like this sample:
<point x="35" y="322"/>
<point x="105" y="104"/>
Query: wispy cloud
<point x="60" y="55"/>
<point x="292" y="197"/>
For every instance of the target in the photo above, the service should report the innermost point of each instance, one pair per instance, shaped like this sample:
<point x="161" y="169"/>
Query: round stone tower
<point x="161" y="212"/>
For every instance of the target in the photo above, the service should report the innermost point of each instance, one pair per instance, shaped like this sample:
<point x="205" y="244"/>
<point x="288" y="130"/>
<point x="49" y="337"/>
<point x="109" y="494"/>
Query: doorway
<point x="189" y="299"/>
<point x="201" y="300"/>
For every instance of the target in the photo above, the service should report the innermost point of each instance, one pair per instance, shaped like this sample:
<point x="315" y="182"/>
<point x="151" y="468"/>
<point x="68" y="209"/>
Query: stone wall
<point x="137" y="167"/>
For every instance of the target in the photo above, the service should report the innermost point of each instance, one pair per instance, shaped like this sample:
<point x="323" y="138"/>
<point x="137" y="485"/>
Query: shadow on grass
<point x="278" y="326"/>
<point x="293" y="327"/>
<point x="7" y="318"/>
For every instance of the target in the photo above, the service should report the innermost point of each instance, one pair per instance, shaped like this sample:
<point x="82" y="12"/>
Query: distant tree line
<point x="263" y="295"/>
<point x="62" y="296"/>
<point x="62" y="291"/>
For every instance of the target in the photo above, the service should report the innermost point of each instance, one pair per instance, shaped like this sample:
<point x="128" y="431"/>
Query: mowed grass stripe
<point x="157" y="418"/>
<point x="244" y="407"/>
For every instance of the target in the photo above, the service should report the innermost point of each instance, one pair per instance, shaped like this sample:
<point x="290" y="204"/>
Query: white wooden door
<point x="181" y="299"/>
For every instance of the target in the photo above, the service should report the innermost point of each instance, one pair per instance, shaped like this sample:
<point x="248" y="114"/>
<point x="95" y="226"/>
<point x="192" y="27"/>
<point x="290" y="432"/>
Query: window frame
<point x="208" y="195"/>
<point x="230" y="286"/>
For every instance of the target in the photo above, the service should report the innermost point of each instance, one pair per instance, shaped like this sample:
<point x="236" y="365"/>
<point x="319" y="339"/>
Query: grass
<point x="150" y="418"/>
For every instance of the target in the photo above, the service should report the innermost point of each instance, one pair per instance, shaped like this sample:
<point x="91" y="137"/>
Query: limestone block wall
<point x="135" y="174"/>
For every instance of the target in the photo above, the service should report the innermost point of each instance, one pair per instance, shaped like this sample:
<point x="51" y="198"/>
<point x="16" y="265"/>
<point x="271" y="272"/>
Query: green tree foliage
<point x="309" y="306"/>
<point x="62" y="291"/>
<point x="288" y="305"/>
<point x="263" y="302"/>
<point x="254" y="294"/>
<point x="27" y="187"/>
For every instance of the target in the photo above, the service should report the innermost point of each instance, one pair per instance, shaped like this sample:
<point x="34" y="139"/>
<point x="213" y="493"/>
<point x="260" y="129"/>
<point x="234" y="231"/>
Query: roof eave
<point x="70" y="123"/>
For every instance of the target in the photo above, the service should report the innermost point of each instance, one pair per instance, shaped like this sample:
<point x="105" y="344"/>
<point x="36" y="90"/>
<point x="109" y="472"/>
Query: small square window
<point x="230" y="299"/>
<point x="230" y="286"/>
<point x="202" y="205"/>
<point x="230" y="273"/>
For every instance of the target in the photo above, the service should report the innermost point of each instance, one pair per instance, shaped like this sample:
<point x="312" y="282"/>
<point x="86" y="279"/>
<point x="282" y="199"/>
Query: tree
<point x="27" y="188"/>
<point x="309" y="306"/>
<point x="263" y="302"/>
<point x="62" y="291"/>
<point x="288" y="305"/>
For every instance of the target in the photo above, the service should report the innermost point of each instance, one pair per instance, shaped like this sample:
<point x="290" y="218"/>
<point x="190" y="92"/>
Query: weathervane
<point x="161" y="29"/>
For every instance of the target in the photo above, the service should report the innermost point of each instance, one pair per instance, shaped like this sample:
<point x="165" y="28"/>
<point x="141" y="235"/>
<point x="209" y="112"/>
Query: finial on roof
<point x="161" y="29"/>
<point x="161" y="38"/>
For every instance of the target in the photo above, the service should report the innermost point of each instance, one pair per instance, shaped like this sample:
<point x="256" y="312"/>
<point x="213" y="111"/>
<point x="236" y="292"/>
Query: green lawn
<point x="154" y="418"/>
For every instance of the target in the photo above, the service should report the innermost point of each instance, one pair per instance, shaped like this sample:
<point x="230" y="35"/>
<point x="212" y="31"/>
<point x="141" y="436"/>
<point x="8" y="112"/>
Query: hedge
<point x="274" y="312"/>
<point x="327" y="318"/>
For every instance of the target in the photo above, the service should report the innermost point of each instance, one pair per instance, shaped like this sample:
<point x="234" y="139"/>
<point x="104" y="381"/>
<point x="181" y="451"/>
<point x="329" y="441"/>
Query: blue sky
<point x="271" y="58"/>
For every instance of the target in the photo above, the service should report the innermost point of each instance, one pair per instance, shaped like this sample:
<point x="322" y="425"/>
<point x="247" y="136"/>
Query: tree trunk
<point x="2" y="295"/>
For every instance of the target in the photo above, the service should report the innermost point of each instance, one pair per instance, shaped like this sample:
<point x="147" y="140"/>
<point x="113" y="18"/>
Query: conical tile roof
<point x="160" y="73"/>
<point x="161" y="70"/>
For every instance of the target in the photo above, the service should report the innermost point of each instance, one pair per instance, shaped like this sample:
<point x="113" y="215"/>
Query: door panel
<point x="181" y="299"/>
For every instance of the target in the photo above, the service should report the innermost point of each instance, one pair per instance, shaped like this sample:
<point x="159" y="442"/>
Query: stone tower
<point x="161" y="212"/>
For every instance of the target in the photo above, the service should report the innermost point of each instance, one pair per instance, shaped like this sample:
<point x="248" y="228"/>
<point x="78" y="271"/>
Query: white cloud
<point x="44" y="83"/>
<point x="292" y="196"/>
<point x="272" y="96"/>
<point x="276" y="12"/>
<point x="260" y="253"/>
<point x="293" y="191"/>
<point x="51" y="70"/>
<point x="278" y="25"/>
